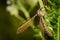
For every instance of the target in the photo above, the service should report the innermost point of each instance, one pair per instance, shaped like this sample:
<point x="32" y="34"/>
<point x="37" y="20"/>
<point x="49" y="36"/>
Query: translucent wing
<point x="43" y="25"/>
<point x="25" y="25"/>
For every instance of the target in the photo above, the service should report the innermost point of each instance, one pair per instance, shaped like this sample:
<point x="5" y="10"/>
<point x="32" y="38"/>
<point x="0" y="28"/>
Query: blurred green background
<point x="13" y="13"/>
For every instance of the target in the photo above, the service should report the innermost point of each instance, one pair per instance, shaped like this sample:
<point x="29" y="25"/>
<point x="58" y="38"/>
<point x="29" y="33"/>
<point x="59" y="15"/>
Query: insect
<point x="43" y="26"/>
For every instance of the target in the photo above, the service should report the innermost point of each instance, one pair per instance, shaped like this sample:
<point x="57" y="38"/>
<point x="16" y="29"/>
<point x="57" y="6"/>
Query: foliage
<point x="22" y="10"/>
